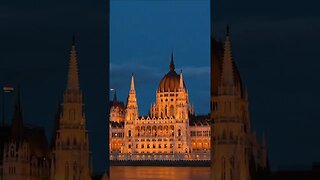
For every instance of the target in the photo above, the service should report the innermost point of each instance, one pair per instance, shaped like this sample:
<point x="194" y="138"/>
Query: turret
<point x="181" y="86"/>
<point x="72" y="159"/>
<point x="132" y="105"/>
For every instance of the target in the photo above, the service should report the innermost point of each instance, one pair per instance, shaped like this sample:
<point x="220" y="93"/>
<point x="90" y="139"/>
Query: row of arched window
<point x="156" y="131"/>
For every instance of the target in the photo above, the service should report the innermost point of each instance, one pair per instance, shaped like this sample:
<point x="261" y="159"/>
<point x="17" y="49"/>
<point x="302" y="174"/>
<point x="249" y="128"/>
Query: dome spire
<point x="172" y="62"/>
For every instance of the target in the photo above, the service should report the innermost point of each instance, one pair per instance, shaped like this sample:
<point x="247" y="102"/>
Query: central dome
<point x="171" y="81"/>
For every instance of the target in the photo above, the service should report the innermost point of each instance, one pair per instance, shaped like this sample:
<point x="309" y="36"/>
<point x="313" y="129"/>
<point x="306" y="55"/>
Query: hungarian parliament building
<point x="171" y="131"/>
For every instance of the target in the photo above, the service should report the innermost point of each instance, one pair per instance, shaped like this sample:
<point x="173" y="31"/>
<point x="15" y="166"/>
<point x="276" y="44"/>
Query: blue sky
<point x="143" y="35"/>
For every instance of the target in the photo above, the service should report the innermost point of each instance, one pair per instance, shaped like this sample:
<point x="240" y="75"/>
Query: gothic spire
<point x="73" y="79"/>
<point x="227" y="76"/>
<point x="132" y="105"/>
<point x="132" y="83"/>
<point x="115" y="98"/>
<point x="181" y="81"/>
<point x="171" y="63"/>
<point x="56" y="121"/>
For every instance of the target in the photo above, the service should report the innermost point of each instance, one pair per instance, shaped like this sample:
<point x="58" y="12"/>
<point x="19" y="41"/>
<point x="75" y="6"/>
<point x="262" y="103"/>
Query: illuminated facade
<point x="171" y="131"/>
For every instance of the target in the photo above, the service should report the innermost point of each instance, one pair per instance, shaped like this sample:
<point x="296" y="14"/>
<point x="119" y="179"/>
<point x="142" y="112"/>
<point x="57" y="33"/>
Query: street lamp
<point x="6" y="89"/>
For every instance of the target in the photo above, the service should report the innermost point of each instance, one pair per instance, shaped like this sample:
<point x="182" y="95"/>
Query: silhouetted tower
<point x="71" y="152"/>
<point x="230" y="131"/>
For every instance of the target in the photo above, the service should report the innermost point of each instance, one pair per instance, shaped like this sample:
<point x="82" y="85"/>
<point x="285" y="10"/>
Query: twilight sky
<point x="275" y="45"/>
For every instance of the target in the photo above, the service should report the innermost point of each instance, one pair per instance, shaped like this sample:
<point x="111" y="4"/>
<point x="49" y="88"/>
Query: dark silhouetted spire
<point x="172" y="63"/>
<point x="73" y="40"/>
<point x="227" y="77"/>
<point x="228" y="30"/>
<point x="73" y="79"/>
<point x="115" y="98"/>
<point x="56" y="122"/>
<point x="17" y="122"/>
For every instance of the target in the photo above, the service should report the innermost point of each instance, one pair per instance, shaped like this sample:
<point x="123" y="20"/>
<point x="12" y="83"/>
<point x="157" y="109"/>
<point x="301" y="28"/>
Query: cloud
<point x="196" y="72"/>
<point x="120" y="73"/>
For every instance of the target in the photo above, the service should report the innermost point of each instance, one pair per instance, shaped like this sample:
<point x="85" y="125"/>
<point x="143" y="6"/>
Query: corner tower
<point x="71" y="151"/>
<point x="132" y="111"/>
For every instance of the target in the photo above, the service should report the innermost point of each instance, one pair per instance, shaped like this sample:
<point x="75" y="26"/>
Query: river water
<point x="159" y="173"/>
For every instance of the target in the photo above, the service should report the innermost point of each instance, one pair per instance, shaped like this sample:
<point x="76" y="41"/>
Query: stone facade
<point x="171" y="131"/>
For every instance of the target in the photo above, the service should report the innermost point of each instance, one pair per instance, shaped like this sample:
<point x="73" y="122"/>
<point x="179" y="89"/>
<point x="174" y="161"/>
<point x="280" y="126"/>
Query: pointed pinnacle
<point x="73" y="39"/>
<point x="228" y="30"/>
<point x="132" y="83"/>
<point x="172" y="63"/>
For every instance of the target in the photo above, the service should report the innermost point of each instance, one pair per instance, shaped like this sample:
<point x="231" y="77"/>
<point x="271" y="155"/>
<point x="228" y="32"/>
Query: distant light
<point x="112" y="89"/>
<point x="8" y="89"/>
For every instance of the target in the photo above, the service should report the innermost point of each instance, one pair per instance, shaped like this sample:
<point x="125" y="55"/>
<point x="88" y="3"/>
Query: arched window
<point x="129" y="133"/>
<point x="154" y="131"/>
<point x="166" y="110"/>
<point x="149" y="130"/>
<point x="143" y="130"/>
<point x="179" y="132"/>
<point x="159" y="130"/>
<point x="166" y="128"/>
<point x="137" y="131"/>
<point x="171" y="110"/>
